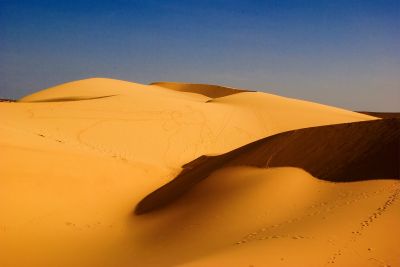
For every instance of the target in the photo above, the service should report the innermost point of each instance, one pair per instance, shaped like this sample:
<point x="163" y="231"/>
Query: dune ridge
<point x="66" y="99"/>
<point x="341" y="152"/>
<point x="90" y="88"/>
<point x="213" y="91"/>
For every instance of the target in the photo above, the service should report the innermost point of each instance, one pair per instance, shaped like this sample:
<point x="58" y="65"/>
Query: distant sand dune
<point x="6" y="100"/>
<point x="212" y="91"/>
<point x="342" y="152"/>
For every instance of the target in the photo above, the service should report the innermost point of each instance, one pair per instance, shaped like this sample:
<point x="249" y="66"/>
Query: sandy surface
<point x="77" y="158"/>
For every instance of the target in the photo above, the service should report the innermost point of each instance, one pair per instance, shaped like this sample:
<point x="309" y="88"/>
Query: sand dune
<point x="246" y="216"/>
<point x="341" y="152"/>
<point x="77" y="158"/>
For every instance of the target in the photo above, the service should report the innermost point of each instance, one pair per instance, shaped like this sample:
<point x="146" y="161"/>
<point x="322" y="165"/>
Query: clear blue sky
<point x="343" y="52"/>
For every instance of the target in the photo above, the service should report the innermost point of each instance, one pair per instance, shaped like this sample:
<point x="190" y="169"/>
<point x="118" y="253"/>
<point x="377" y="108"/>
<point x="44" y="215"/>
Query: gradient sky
<point x="343" y="53"/>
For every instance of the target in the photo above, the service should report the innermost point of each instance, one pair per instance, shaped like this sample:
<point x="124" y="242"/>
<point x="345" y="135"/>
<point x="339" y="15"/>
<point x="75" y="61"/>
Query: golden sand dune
<point x="339" y="152"/>
<point x="77" y="158"/>
<point x="285" y="217"/>
<point x="245" y="216"/>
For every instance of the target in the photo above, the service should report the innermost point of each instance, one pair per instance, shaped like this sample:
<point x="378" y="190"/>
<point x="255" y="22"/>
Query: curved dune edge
<point x="341" y="153"/>
<point x="66" y="99"/>
<point x="85" y="88"/>
<point x="213" y="91"/>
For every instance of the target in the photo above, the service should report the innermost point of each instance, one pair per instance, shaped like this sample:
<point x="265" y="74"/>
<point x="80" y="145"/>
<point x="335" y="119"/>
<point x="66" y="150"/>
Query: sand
<point x="76" y="159"/>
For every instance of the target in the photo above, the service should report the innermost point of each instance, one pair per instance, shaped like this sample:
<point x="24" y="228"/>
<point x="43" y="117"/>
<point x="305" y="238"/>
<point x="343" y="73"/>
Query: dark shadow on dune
<point x="339" y="153"/>
<point x="67" y="99"/>
<point x="383" y="115"/>
<point x="213" y="91"/>
<point x="7" y="100"/>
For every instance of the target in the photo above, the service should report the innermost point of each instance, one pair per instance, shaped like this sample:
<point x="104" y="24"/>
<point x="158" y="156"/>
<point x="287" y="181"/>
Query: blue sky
<point x="341" y="53"/>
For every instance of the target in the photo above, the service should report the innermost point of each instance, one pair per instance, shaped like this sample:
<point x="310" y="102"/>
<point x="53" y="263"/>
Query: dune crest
<point x="68" y="98"/>
<point x="213" y="91"/>
<point x="90" y="88"/>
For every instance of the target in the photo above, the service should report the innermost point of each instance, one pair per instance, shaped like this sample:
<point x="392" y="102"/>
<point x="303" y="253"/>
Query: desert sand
<point x="102" y="172"/>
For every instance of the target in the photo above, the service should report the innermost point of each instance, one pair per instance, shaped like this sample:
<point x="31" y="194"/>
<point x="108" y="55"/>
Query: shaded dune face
<point x="339" y="153"/>
<point x="383" y="115"/>
<point x="213" y="91"/>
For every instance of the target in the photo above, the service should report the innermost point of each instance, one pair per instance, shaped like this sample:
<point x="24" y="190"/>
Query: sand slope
<point x="76" y="159"/>
<point x="285" y="217"/>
